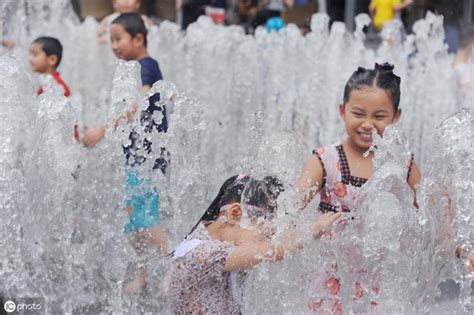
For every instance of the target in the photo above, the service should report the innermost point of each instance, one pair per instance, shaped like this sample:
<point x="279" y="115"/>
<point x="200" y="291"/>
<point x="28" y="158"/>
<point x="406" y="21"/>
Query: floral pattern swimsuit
<point x="339" y="192"/>
<point x="199" y="284"/>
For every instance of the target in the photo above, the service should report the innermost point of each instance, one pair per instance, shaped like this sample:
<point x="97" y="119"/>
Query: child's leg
<point x="143" y="204"/>
<point x="143" y="241"/>
<point x="139" y="244"/>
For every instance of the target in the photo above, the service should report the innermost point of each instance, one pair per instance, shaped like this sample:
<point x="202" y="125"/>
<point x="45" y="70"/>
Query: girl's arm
<point x="251" y="254"/>
<point x="310" y="180"/>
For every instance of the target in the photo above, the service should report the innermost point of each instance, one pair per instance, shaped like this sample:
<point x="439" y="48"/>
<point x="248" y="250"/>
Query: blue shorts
<point x="144" y="198"/>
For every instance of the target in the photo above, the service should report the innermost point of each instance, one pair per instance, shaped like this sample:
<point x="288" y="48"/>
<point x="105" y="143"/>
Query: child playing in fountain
<point x="128" y="42"/>
<point x="338" y="171"/>
<point x="45" y="57"/>
<point x="208" y="264"/>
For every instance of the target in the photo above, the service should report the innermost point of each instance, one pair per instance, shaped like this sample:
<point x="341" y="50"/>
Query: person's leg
<point x="142" y="242"/>
<point x="138" y="242"/>
<point x="146" y="234"/>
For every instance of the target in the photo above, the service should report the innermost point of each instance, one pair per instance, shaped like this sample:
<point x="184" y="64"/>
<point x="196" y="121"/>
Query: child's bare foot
<point x="137" y="284"/>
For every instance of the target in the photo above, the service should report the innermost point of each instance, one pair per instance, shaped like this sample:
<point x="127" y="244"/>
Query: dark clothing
<point x="219" y="4"/>
<point x="192" y="10"/>
<point x="335" y="10"/>
<point x="190" y="15"/>
<point x="150" y="73"/>
<point x="264" y="15"/>
<point x="452" y="12"/>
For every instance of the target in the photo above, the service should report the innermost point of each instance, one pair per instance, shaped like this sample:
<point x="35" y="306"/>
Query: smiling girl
<point x="338" y="171"/>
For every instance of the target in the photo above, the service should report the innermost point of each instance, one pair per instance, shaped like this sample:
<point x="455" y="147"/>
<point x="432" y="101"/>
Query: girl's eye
<point x="379" y="117"/>
<point x="358" y="114"/>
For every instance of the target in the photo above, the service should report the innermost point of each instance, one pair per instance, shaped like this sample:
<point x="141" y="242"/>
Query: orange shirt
<point x="67" y="93"/>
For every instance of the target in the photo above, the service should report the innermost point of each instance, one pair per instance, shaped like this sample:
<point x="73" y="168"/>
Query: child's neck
<point x="360" y="165"/>
<point x="141" y="54"/>
<point x="224" y="232"/>
<point x="356" y="150"/>
<point x="50" y="70"/>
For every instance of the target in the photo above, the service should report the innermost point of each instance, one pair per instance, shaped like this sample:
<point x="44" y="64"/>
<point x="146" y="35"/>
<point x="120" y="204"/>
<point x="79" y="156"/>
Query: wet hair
<point x="133" y="25"/>
<point x="51" y="46"/>
<point x="265" y="193"/>
<point x="466" y="35"/>
<point x="381" y="76"/>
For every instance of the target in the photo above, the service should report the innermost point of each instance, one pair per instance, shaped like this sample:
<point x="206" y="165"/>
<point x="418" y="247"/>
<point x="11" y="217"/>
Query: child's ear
<point x="342" y="107"/>
<point x="52" y="60"/>
<point x="398" y="113"/>
<point x="139" y="39"/>
<point x="235" y="212"/>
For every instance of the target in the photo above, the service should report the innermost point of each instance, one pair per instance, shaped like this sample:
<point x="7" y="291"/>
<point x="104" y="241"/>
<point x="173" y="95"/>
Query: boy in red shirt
<point x="45" y="56"/>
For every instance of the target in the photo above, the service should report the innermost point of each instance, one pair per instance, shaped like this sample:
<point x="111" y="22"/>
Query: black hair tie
<point x="385" y="67"/>
<point x="361" y="70"/>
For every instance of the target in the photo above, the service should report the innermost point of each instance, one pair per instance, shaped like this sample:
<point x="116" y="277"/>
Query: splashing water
<point x="446" y="197"/>
<point x="257" y="104"/>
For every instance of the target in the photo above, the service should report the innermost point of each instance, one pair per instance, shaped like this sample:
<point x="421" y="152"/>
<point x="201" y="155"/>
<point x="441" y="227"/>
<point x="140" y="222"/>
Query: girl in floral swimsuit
<point x="338" y="171"/>
<point x="209" y="263"/>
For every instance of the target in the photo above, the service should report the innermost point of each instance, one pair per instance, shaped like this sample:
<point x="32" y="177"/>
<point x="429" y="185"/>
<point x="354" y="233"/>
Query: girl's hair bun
<point x="384" y="67"/>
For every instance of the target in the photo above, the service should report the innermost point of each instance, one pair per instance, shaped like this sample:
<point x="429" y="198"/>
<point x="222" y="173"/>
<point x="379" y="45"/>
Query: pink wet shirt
<point x="199" y="284"/>
<point x="340" y="191"/>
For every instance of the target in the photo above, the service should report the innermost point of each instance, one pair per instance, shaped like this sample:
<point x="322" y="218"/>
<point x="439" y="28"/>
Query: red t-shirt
<point x="57" y="78"/>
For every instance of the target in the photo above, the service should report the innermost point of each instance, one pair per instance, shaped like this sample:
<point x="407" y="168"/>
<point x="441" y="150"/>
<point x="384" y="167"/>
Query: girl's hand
<point x="291" y="242"/>
<point x="117" y="120"/>
<point x="324" y="222"/>
<point x="130" y="113"/>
